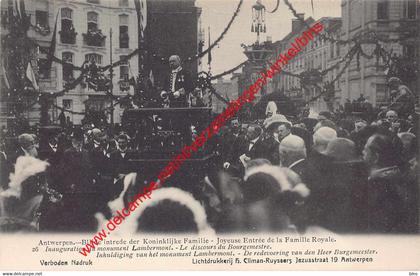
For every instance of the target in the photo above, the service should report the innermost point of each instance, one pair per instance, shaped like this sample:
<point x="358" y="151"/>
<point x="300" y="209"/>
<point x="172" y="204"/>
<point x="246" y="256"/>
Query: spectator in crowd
<point x="410" y="148"/>
<point x="359" y="124"/>
<point x="359" y="172"/>
<point x="305" y="135"/>
<point x="292" y="153"/>
<point x="325" y="123"/>
<point x="324" y="115"/>
<point x="120" y="157"/>
<point x="387" y="185"/>
<point x="277" y="128"/>
<point x="98" y="153"/>
<point x="322" y="137"/>
<point x="256" y="148"/>
<point x="391" y="116"/>
<point x="231" y="141"/>
<point x="252" y="147"/>
<point x="317" y="175"/>
<point x="26" y="146"/>
<point x="348" y="183"/>
<point x="270" y="195"/>
<point x="77" y="186"/>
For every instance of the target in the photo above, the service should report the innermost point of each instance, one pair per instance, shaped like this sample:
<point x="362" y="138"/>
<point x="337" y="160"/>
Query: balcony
<point x="68" y="36"/>
<point x="42" y="29"/>
<point x="94" y="38"/>
<point x="124" y="85"/>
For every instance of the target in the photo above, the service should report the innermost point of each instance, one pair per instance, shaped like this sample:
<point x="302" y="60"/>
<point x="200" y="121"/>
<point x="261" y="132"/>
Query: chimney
<point x="297" y="23"/>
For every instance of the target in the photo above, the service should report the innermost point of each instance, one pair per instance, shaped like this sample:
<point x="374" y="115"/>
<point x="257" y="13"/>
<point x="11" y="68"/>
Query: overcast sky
<point x="217" y="13"/>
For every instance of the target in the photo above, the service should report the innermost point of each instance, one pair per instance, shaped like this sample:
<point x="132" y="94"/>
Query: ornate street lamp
<point x="258" y="19"/>
<point x="257" y="53"/>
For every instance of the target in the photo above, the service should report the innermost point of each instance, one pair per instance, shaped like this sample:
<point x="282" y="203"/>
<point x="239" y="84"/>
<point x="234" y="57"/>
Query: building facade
<point x="87" y="30"/>
<point x="317" y="55"/>
<point x="390" y="20"/>
<point x="105" y="31"/>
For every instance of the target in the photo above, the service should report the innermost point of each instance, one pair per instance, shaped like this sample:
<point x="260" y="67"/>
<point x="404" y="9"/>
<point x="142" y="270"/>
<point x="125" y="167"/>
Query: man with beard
<point x="255" y="146"/>
<point x="26" y="146"/>
<point x="247" y="148"/>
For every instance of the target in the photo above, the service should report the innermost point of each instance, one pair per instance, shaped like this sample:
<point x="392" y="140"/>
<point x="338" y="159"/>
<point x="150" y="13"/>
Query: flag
<point x="209" y="54"/>
<point x="51" y="51"/>
<point x="6" y="79"/>
<point x="131" y="76"/>
<point x="16" y="8"/>
<point x="141" y="9"/>
<point x="22" y="8"/>
<point x="31" y="76"/>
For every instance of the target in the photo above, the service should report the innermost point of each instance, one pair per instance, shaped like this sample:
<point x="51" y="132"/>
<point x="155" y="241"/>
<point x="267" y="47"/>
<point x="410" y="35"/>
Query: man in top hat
<point x="178" y="85"/>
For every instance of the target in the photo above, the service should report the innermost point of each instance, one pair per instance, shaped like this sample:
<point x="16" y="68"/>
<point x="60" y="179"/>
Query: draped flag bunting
<point x="31" y="76"/>
<point x="51" y="51"/>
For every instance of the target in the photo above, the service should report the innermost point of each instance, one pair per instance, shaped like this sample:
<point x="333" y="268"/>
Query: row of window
<point x="94" y="36"/>
<point x="121" y="3"/>
<point x="409" y="11"/>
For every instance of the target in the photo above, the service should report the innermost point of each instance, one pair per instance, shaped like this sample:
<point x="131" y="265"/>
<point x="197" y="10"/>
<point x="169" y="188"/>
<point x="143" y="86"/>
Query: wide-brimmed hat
<point x="276" y="119"/>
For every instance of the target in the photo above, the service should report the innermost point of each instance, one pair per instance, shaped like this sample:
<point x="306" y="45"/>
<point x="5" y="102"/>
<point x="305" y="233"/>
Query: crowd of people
<point x="345" y="176"/>
<point x="342" y="175"/>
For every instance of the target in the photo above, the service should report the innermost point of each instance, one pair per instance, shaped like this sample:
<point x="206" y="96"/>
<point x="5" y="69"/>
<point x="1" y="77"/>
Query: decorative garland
<point x="204" y="81"/>
<point x="325" y="90"/>
<point x="221" y="35"/>
<point x="120" y="99"/>
<point x="229" y="71"/>
<point x="104" y="68"/>
<point x="275" y="9"/>
<point x="359" y="38"/>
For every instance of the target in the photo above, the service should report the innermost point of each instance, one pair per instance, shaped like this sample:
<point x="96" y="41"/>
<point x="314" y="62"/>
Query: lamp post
<point x="258" y="19"/>
<point x="257" y="53"/>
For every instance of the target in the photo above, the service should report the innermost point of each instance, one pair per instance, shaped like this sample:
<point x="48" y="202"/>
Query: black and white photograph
<point x="209" y="118"/>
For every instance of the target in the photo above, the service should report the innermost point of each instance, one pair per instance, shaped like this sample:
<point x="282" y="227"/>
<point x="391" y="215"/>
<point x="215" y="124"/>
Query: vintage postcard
<point x="209" y="135"/>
